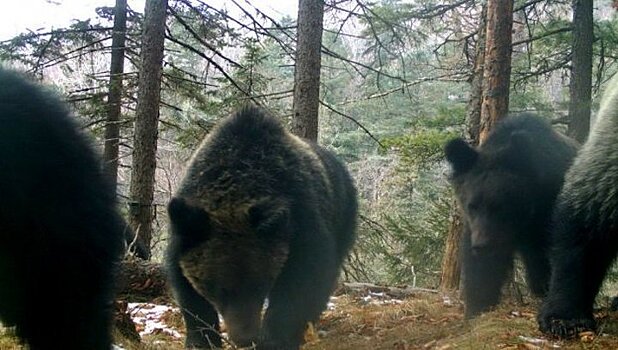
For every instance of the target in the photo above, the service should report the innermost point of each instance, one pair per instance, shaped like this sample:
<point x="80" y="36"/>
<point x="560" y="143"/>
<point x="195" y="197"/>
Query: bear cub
<point x="506" y="189"/>
<point x="260" y="214"/>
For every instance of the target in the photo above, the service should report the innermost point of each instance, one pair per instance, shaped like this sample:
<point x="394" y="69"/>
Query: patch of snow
<point x="149" y="317"/>
<point x="390" y="302"/>
<point x="380" y="299"/>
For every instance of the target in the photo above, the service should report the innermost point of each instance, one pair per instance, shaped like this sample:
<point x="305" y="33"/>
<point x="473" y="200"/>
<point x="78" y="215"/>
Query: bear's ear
<point x="187" y="219"/>
<point x="518" y="152"/>
<point x="267" y="216"/>
<point x="461" y="156"/>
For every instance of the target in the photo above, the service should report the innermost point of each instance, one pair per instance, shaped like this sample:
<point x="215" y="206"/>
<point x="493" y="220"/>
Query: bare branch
<point x="56" y="32"/>
<point x="197" y="37"/>
<point x="215" y="64"/>
<point x="329" y="107"/>
<point x="544" y="35"/>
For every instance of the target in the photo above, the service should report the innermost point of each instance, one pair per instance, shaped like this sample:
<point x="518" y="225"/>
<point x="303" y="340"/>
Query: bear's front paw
<point x="565" y="327"/>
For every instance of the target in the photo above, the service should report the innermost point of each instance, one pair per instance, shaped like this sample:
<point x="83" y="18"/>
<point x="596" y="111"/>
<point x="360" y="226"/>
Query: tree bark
<point x="114" y="97"/>
<point x="306" y="100"/>
<point x="580" y="85"/>
<point x="475" y="102"/>
<point x="144" y="162"/>
<point x="451" y="262"/>
<point x="497" y="71"/>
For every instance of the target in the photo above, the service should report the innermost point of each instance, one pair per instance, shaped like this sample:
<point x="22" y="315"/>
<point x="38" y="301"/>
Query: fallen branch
<point x="395" y="292"/>
<point x="140" y="280"/>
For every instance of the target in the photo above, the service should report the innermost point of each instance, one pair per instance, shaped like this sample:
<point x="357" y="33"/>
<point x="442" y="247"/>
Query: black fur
<point x="506" y="189"/>
<point x="260" y="214"/>
<point x="60" y="236"/>
<point x="585" y="230"/>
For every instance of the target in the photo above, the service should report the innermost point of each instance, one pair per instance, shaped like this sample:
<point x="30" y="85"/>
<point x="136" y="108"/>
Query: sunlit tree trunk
<point x="146" y="121"/>
<point x="307" y="73"/>
<point x="497" y="72"/>
<point x="451" y="261"/>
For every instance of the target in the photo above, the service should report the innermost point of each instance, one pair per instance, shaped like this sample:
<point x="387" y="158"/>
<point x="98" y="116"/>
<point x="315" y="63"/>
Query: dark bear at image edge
<point x="260" y="214"/>
<point x="585" y="227"/>
<point x="506" y="189"/>
<point x="60" y="235"/>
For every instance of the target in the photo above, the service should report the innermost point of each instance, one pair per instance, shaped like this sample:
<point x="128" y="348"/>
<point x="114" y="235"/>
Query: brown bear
<point x="506" y="189"/>
<point x="260" y="214"/>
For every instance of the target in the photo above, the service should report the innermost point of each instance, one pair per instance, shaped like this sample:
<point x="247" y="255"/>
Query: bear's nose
<point x="479" y="242"/>
<point x="480" y="249"/>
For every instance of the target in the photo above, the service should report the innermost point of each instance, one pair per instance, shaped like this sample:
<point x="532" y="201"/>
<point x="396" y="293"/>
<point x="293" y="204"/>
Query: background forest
<point x="396" y="82"/>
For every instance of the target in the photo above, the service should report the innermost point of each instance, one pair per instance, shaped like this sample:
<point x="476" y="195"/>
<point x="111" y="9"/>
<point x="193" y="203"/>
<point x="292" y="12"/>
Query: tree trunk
<point x="307" y="74"/>
<point x="473" y="113"/>
<point x="497" y="72"/>
<point x="581" y="71"/>
<point x="114" y="98"/>
<point x="144" y="162"/>
<point x="451" y="262"/>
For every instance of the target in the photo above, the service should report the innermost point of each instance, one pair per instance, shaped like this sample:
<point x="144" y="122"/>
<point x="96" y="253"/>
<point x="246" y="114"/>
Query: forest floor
<point x="375" y="320"/>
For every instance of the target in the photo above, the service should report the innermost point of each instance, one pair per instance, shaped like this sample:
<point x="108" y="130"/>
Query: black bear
<point x="260" y="214"/>
<point x="506" y="189"/>
<point x="585" y="227"/>
<point x="60" y="234"/>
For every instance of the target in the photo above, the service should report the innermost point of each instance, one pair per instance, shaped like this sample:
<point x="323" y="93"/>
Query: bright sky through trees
<point x="20" y="16"/>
